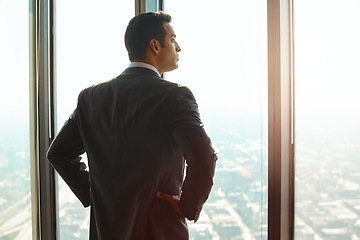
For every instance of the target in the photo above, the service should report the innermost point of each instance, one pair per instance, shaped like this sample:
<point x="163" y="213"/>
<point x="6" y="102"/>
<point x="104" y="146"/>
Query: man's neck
<point x="150" y="60"/>
<point x="145" y="65"/>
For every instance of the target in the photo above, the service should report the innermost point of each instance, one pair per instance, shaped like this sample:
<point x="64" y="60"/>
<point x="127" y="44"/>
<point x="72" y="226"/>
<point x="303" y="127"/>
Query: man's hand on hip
<point x="173" y="200"/>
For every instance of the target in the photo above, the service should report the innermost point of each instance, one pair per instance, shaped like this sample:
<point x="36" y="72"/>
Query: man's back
<point x="130" y="149"/>
<point x="132" y="131"/>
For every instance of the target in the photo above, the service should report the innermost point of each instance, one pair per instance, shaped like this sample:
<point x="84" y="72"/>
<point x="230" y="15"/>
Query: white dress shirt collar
<point x="144" y="65"/>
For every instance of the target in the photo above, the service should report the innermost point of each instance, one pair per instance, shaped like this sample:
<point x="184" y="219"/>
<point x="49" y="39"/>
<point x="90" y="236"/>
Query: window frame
<point x="42" y="125"/>
<point x="281" y="120"/>
<point x="42" y="89"/>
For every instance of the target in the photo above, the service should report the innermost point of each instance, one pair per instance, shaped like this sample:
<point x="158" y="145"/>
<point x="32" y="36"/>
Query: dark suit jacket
<point x="136" y="130"/>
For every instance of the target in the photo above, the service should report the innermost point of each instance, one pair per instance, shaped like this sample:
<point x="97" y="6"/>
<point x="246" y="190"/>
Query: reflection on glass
<point x="224" y="62"/>
<point x="90" y="49"/>
<point x="327" y="50"/>
<point x="15" y="199"/>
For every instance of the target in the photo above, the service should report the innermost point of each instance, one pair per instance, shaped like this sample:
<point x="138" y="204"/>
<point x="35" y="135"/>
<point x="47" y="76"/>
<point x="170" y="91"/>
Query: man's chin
<point x="176" y="65"/>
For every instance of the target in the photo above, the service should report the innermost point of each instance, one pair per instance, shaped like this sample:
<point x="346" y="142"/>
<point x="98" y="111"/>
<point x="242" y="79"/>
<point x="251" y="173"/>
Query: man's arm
<point x="189" y="134"/>
<point x="201" y="159"/>
<point x="64" y="155"/>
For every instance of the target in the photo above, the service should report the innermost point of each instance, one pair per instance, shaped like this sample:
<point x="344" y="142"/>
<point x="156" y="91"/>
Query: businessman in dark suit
<point x="139" y="132"/>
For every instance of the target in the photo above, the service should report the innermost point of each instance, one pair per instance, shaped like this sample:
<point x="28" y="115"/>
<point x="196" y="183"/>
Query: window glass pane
<point x="90" y="49"/>
<point x="15" y="198"/>
<point x="327" y="50"/>
<point x="224" y="62"/>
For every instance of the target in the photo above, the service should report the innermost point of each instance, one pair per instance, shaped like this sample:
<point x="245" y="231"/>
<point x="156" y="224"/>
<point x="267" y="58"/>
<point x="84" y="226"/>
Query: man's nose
<point x="178" y="49"/>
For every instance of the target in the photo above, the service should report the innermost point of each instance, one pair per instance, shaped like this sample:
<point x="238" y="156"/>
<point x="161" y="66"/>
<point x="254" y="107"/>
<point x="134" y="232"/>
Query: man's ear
<point x="155" y="46"/>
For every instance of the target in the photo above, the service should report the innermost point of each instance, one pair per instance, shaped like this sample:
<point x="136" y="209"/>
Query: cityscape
<point x="327" y="195"/>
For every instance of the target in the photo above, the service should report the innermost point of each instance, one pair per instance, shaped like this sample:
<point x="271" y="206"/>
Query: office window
<point x="90" y="49"/>
<point x="327" y="117"/>
<point x="15" y="198"/>
<point x="224" y="62"/>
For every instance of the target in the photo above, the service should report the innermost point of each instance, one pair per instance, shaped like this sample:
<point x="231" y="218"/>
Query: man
<point x="137" y="131"/>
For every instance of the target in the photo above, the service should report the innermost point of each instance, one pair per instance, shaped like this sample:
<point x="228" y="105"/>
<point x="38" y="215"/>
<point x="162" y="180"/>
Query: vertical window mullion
<point x="143" y="6"/>
<point x="280" y="120"/>
<point x="41" y="75"/>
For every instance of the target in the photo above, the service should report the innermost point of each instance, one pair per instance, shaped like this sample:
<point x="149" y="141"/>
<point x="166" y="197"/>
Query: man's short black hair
<point x="143" y="28"/>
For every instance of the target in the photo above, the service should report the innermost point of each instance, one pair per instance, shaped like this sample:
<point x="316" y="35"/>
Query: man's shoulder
<point x="93" y="87"/>
<point x="181" y="89"/>
<point x="97" y="90"/>
<point x="128" y="80"/>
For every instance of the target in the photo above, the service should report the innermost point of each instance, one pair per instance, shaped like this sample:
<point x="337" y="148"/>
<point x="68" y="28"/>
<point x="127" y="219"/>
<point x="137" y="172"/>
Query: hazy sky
<point x="223" y="58"/>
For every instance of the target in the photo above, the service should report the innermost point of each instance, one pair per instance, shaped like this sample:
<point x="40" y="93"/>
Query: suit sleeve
<point x="64" y="155"/>
<point x="190" y="136"/>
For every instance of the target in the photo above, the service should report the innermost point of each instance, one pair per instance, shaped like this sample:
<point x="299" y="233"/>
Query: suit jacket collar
<point x="140" y="71"/>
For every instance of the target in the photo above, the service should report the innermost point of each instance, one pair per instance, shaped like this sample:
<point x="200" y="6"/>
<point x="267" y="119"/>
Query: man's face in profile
<point x="168" y="56"/>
